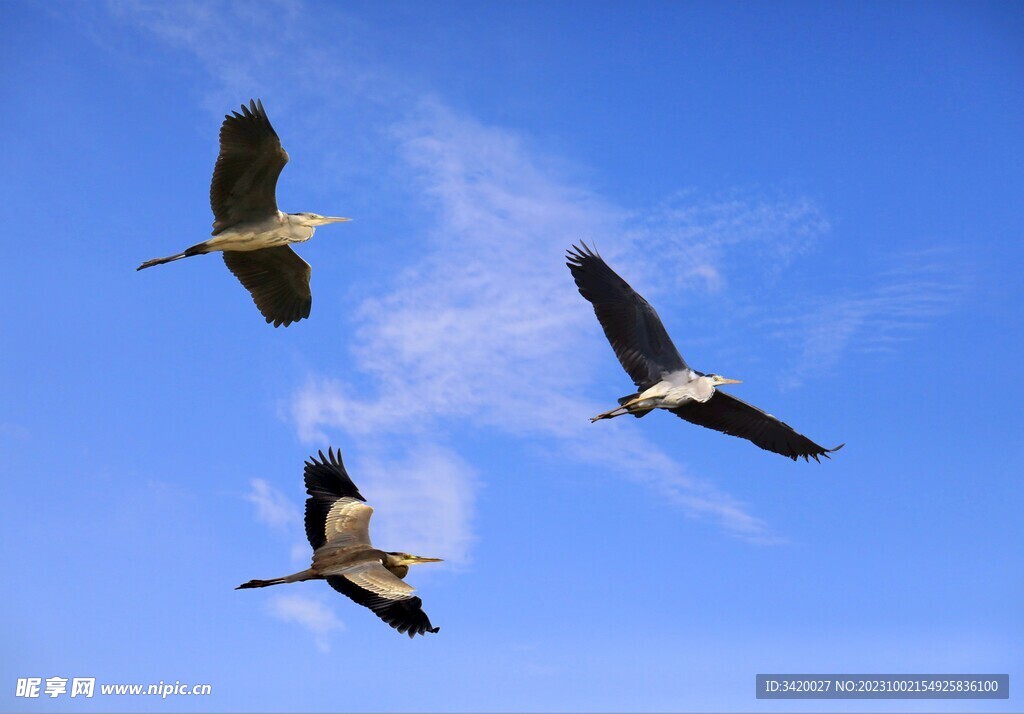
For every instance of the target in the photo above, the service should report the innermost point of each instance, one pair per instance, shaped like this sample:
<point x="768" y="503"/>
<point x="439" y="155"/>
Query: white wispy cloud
<point x="698" y="237"/>
<point x="488" y="327"/>
<point x="309" y="613"/>
<point x="273" y="508"/>
<point x="483" y="326"/>
<point x="637" y="460"/>
<point x="215" y="33"/>
<point x="894" y="305"/>
<point x="281" y="514"/>
<point x="424" y="499"/>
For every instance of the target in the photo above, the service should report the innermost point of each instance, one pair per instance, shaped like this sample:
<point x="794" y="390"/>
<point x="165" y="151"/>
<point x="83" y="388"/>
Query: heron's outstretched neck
<point x="309" y="574"/>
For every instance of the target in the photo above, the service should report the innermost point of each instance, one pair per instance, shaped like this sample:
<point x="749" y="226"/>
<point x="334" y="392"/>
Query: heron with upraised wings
<point x="661" y="375"/>
<point x="338" y="529"/>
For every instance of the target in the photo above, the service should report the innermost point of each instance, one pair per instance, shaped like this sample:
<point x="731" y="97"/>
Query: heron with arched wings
<point x="661" y="375"/>
<point x="248" y="228"/>
<point x="338" y="528"/>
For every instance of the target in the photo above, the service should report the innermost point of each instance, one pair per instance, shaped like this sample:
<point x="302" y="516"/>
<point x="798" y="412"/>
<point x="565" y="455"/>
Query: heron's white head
<point x="718" y="380"/>
<point x="312" y="220"/>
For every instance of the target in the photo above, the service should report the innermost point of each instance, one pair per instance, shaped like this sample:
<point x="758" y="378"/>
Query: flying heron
<point x="338" y="528"/>
<point x="252" y="233"/>
<point x="662" y="377"/>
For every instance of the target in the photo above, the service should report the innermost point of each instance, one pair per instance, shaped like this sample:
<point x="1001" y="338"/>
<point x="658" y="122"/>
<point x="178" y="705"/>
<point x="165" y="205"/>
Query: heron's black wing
<point x="245" y="178"/>
<point x="630" y="323"/>
<point x="727" y="414"/>
<point x="277" y="279"/>
<point x="372" y="587"/>
<point x="327" y="482"/>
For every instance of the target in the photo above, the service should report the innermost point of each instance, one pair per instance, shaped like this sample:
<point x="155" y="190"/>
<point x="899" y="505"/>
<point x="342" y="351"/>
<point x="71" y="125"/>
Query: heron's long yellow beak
<point x="333" y="219"/>
<point x="730" y="381"/>
<point x="412" y="559"/>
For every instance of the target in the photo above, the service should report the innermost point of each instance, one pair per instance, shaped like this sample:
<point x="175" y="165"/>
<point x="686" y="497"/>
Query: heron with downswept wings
<point x="248" y="228"/>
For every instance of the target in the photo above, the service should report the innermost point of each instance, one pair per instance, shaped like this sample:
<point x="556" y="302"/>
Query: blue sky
<point x="823" y="200"/>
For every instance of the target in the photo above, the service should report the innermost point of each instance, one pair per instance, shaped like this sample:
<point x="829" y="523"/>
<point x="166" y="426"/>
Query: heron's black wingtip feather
<point x="284" y="322"/>
<point x="729" y="415"/>
<point x="413" y="631"/>
<point x="577" y="254"/>
<point x="326" y="481"/>
<point x="826" y="453"/>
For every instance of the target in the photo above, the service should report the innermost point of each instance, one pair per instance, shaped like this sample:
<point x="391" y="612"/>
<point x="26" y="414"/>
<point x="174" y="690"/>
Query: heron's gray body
<point x="675" y="390"/>
<point x="365" y="566"/>
<point x="270" y="232"/>
<point x="338" y="528"/>
<point x="273" y="231"/>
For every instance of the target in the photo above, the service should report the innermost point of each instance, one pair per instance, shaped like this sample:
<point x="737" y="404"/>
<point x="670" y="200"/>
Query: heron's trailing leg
<point x="627" y="405"/>
<point x="161" y="261"/>
<point x="308" y="574"/>
<point x="610" y="414"/>
<point x="197" y="249"/>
